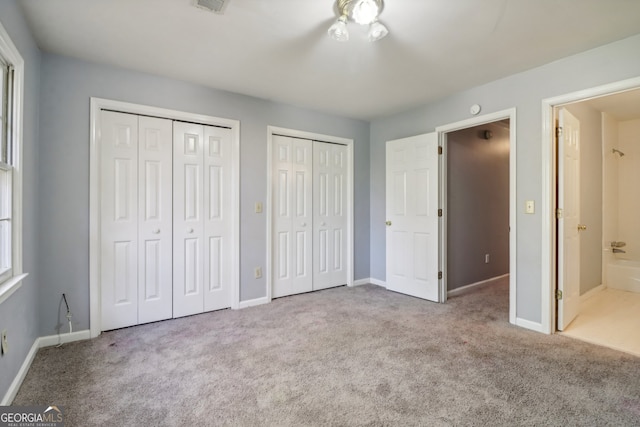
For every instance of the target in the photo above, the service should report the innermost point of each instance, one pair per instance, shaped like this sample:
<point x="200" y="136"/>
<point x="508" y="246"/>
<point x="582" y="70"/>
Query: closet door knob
<point x="156" y="231"/>
<point x="323" y="224"/>
<point x="304" y="224"/>
<point x="190" y="231"/>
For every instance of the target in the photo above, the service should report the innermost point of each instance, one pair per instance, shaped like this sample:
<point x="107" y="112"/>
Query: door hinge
<point x="439" y="275"/>
<point x="558" y="132"/>
<point x="558" y="294"/>
<point x="439" y="212"/>
<point x="558" y="213"/>
<point x="439" y="149"/>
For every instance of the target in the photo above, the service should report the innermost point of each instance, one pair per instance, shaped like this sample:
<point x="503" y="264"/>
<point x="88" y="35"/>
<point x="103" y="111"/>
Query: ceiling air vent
<point x="217" y="6"/>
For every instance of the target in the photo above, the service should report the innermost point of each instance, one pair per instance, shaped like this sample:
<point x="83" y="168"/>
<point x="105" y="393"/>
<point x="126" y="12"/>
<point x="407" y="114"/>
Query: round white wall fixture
<point x="475" y="109"/>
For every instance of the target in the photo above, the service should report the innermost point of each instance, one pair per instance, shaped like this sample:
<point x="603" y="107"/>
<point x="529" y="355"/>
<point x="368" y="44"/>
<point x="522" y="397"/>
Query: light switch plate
<point x="258" y="207"/>
<point x="529" y="207"/>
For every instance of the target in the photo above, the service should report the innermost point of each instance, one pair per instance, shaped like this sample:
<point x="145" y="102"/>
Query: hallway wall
<point x="477" y="204"/>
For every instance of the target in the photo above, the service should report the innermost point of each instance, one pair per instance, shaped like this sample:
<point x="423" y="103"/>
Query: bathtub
<point x="624" y="275"/>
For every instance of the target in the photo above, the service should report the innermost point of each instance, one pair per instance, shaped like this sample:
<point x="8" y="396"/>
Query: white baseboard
<point x="378" y="282"/>
<point x="52" y="340"/>
<point x="39" y="343"/>
<point x="22" y="373"/>
<point x="361" y="282"/>
<point x="528" y="324"/>
<point x="474" y="286"/>
<point x="253" y="302"/>
<point x="591" y="292"/>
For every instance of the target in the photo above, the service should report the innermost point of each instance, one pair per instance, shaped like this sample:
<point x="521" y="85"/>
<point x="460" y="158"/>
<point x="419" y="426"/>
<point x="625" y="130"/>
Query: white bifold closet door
<point x="292" y="216"/>
<point x="201" y="224"/>
<point x="309" y="187"/>
<point x="135" y="226"/>
<point x="329" y="215"/>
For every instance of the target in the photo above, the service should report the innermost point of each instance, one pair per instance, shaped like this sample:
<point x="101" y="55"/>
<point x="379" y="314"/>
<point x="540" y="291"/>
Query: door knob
<point x="388" y="223"/>
<point x="156" y="231"/>
<point x="190" y="230"/>
<point x="304" y="224"/>
<point x="323" y="224"/>
<point x="582" y="227"/>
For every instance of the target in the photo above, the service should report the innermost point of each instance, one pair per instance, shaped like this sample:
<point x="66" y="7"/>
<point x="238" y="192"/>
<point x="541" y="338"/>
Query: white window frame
<point x="10" y="54"/>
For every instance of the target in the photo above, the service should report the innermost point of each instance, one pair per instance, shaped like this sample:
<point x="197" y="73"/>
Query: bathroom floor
<point x="610" y="318"/>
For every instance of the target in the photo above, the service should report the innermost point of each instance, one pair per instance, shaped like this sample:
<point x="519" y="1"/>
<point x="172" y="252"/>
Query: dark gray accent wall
<point x="19" y="313"/>
<point x="590" y="195"/>
<point x="68" y="84"/>
<point x="524" y="91"/>
<point x="477" y="204"/>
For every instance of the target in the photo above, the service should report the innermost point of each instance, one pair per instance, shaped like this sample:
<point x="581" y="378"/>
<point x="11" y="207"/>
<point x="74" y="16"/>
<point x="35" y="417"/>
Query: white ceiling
<point x="279" y="49"/>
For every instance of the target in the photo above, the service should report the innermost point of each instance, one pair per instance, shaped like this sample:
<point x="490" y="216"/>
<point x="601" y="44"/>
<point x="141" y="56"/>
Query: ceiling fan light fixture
<point x="338" y="31"/>
<point x="377" y="31"/>
<point x="365" y="12"/>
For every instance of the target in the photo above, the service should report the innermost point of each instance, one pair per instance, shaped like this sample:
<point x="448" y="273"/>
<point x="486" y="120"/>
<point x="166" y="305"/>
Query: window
<point x="11" y="84"/>
<point x="6" y="171"/>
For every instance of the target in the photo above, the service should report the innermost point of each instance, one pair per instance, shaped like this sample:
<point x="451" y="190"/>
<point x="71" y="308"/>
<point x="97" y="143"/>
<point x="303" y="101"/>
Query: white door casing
<point x="154" y="219"/>
<point x="330" y="222"/>
<point x="412" y="216"/>
<point x="292" y="214"/>
<point x="568" y="223"/>
<point x="119" y="225"/>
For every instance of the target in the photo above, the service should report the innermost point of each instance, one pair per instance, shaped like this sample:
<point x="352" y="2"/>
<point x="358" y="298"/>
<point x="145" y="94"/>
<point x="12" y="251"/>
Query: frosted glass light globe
<point x="365" y="11"/>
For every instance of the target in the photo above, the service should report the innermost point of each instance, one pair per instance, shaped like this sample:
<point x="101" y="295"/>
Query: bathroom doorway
<point x="600" y="259"/>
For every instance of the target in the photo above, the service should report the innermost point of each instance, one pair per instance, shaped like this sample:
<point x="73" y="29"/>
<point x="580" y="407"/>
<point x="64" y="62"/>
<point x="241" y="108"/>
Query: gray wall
<point x="524" y="91"/>
<point x="477" y="204"/>
<point x="590" y="195"/>
<point x="67" y="85"/>
<point x="19" y="313"/>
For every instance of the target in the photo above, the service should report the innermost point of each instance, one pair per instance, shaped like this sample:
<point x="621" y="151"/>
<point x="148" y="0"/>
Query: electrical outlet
<point x="5" y="343"/>
<point x="258" y="272"/>
<point x="486" y="258"/>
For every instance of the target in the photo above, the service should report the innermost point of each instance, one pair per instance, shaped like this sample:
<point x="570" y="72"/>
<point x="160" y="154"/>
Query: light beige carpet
<point x="341" y="357"/>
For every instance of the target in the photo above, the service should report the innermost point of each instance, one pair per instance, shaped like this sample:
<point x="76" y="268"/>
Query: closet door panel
<point x="302" y="215"/>
<point x="188" y="221"/>
<point x="119" y="219"/>
<point x="155" y="293"/>
<point x="330" y="220"/>
<point x="292" y="163"/>
<point x="217" y="223"/>
<point x="282" y="282"/>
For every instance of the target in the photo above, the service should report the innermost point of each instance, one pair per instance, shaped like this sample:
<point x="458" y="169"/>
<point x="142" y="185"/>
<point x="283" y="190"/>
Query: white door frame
<point x="98" y="104"/>
<point x="442" y="141"/>
<point x="271" y="130"/>
<point x="549" y="184"/>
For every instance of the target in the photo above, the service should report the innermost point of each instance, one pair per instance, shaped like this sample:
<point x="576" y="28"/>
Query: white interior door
<point x="218" y="245"/>
<point x="292" y="216"/>
<point x="569" y="222"/>
<point x="330" y="220"/>
<point x="412" y="216"/>
<point x="188" y="222"/>
<point x="155" y="297"/>
<point x="119" y="219"/>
